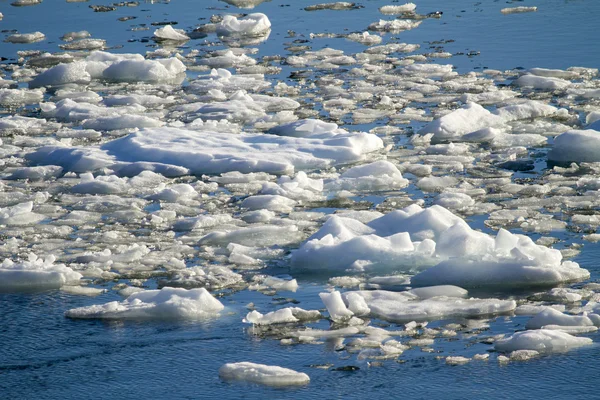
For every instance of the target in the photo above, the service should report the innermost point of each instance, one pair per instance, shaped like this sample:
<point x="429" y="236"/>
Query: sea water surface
<point x="44" y="355"/>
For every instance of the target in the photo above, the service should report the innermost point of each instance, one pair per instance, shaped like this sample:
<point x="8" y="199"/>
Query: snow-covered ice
<point x="262" y="374"/>
<point x="166" y="303"/>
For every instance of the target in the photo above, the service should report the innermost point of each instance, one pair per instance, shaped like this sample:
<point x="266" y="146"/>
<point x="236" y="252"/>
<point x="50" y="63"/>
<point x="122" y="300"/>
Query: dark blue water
<point x="43" y="355"/>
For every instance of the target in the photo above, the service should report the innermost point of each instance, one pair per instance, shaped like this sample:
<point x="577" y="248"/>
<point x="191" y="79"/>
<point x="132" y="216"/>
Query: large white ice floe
<point x="36" y="274"/>
<point x="576" y="146"/>
<point x="262" y="374"/>
<point x="423" y="304"/>
<point x="541" y="340"/>
<point x="166" y="303"/>
<point x="414" y="239"/>
<point x="215" y="152"/>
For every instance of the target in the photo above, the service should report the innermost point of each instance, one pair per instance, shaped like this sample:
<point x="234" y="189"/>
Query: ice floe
<point x="436" y="303"/>
<point x="36" y="273"/>
<point x="216" y="153"/>
<point x="262" y="374"/>
<point x="542" y="341"/>
<point x="414" y="239"/>
<point x="166" y="303"/>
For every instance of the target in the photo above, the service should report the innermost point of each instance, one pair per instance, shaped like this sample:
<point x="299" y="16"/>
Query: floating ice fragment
<point x="61" y="75"/>
<point x="576" y="146"/>
<point x="542" y="82"/>
<point x="256" y="24"/>
<point x="396" y="25"/>
<point x="161" y="70"/>
<point x="554" y="317"/>
<point x="515" y="10"/>
<point x="365" y="38"/>
<point x="166" y="303"/>
<point x="262" y="374"/>
<point x="168" y="33"/>
<point x="19" y="215"/>
<point x="216" y="153"/>
<point x="339" y="5"/>
<point x="209" y="276"/>
<point x="36" y="274"/>
<point x="408" y="306"/>
<point x="391" y="10"/>
<point x="244" y="3"/>
<point x="338" y="311"/>
<point x="69" y="37"/>
<point x="457" y="360"/>
<point x="541" y="340"/>
<point x="25" y="37"/>
<point x="379" y="175"/>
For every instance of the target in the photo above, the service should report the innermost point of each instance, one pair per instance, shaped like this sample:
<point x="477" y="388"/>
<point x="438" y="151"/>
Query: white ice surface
<point x="541" y="340"/>
<point x="410" y="306"/>
<point x="166" y="303"/>
<point x="36" y="274"/>
<point x="262" y="374"/>
<point x="215" y="152"/>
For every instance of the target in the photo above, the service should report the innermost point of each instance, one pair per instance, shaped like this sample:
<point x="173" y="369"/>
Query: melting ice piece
<point x="166" y="303"/>
<point x="542" y="340"/>
<point x="215" y="152"/>
<point x="62" y="74"/>
<point x="284" y="315"/>
<point x="26" y="37"/>
<point x="20" y="215"/>
<point x="515" y="10"/>
<point x="455" y="253"/>
<point x="576" y="146"/>
<point x="262" y="374"/>
<point x="244" y="3"/>
<point x="336" y="307"/>
<point x="379" y="175"/>
<point x="410" y="306"/>
<point x="551" y="316"/>
<point x="391" y="10"/>
<point x="168" y="33"/>
<point x="36" y="274"/>
<point x="256" y="24"/>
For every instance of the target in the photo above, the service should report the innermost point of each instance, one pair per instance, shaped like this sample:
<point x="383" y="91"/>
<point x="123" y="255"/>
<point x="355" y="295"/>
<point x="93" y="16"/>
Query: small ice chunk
<point x="25" y="37"/>
<point x="336" y="307"/>
<point x="523" y="355"/>
<point x="541" y="340"/>
<point x="256" y="24"/>
<point x="392" y="10"/>
<point x="515" y="10"/>
<point x="576" y="146"/>
<point x="284" y="315"/>
<point x="551" y="316"/>
<point x="168" y="33"/>
<point x="457" y="360"/>
<point x="262" y="374"/>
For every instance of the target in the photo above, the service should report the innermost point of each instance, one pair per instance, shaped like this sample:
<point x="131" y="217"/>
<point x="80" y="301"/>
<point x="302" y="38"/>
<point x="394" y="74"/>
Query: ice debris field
<point x="165" y="183"/>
